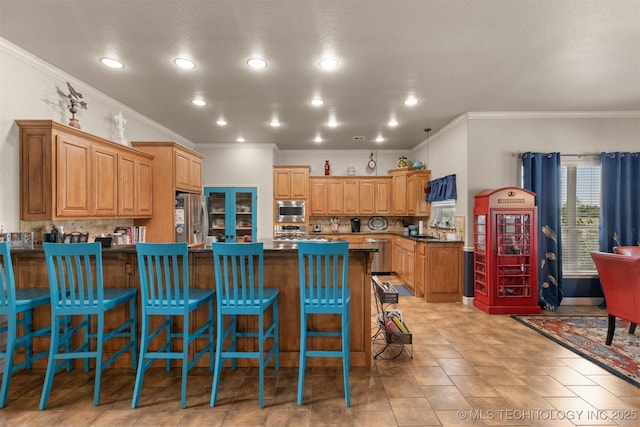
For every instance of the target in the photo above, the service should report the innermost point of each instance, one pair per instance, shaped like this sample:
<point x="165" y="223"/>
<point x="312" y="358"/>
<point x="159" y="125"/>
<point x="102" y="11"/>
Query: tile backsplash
<point x="95" y="228"/>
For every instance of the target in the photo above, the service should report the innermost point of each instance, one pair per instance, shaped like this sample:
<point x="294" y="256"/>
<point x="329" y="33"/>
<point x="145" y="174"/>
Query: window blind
<point x="580" y="193"/>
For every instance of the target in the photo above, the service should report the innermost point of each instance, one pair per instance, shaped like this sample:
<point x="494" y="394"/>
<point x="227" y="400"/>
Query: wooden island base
<point x="281" y="271"/>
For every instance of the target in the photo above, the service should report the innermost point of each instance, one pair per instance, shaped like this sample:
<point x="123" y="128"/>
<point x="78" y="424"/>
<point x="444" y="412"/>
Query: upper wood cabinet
<point x="188" y="167"/>
<point x="318" y="200"/>
<point x="416" y="202"/>
<point x="351" y="196"/>
<point x="398" y="191"/>
<point x="175" y="169"/>
<point x="66" y="173"/>
<point x="408" y="197"/>
<point x="375" y="196"/>
<point x="334" y="196"/>
<point x="136" y="177"/>
<point x="291" y="182"/>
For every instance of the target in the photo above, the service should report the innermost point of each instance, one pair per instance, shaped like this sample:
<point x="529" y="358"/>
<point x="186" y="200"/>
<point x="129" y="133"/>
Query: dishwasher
<point x="381" y="259"/>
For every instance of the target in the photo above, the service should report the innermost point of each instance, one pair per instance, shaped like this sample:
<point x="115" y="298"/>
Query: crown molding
<point x="553" y="115"/>
<point x="43" y="66"/>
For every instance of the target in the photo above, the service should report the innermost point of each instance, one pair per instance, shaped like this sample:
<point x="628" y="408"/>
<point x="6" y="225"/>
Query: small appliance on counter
<point x="355" y="225"/>
<point x="317" y="228"/>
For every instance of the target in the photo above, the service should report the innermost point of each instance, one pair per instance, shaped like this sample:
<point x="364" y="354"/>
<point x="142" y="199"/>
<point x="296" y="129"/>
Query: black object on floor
<point x="404" y="291"/>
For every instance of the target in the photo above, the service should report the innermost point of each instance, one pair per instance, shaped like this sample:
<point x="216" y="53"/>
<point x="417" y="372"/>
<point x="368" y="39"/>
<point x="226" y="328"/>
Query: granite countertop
<point x="422" y="238"/>
<point x="269" y="246"/>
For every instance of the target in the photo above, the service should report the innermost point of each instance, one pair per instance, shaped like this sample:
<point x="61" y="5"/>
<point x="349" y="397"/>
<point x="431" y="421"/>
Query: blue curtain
<point x="541" y="173"/>
<point x="442" y="189"/>
<point x="620" y="200"/>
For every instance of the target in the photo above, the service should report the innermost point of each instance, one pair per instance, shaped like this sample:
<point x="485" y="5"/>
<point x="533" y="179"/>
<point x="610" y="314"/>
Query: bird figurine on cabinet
<point x="75" y="102"/>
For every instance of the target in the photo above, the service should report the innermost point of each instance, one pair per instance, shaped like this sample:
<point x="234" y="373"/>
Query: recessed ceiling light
<point x="392" y="123"/>
<point x="332" y="123"/>
<point x="317" y="139"/>
<point x="329" y="63"/>
<point x="112" y="63"/>
<point x="185" y="63"/>
<point x="221" y="122"/>
<point x="275" y="123"/>
<point x="257" y="63"/>
<point x="379" y="138"/>
<point x="240" y="139"/>
<point x="410" y="101"/>
<point x="199" y="102"/>
<point x="316" y="102"/>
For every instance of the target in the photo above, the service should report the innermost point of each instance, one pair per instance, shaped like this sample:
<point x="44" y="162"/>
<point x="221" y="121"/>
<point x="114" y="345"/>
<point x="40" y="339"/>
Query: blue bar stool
<point x="77" y="289"/>
<point x="240" y="290"/>
<point x="164" y="280"/>
<point x="324" y="289"/>
<point x="12" y="304"/>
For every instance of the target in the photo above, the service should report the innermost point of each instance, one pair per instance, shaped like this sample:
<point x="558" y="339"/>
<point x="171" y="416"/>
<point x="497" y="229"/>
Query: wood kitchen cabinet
<point x="66" y="173"/>
<point x="182" y="166"/>
<point x="318" y="199"/>
<point x="407" y="192"/>
<point x="416" y="184"/>
<point x="375" y="196"/>
<point x="136" y="179"/>
<point x="348" y="196"/>
<point x="291" y="182"/>
<point x="351" y="196"/>
<point x="399" y="191"/>
<point x="403" y="261"/>
<point x="327" y="196"/>
<point x="441" y="270"/>
<point x="188" y="170"/>
<point x="169" y="176"/>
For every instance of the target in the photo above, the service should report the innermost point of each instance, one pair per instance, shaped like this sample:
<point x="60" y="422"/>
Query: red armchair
<point x="627" y="250"/>
<point x="620" y="279"/>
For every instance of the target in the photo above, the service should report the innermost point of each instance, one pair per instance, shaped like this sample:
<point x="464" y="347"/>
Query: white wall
<point x="240" y="165"/>
<point x="340" y="160"/>
<point x="446" y="154"/>
<point x="28" y="91"/>
<point x="495" y="140"/>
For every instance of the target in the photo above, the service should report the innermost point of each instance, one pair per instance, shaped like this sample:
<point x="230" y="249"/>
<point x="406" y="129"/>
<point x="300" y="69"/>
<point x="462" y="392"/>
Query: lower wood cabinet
<point x="404" y="260"/>
<point x="443" y="271"/>
<point x="433" y="270"/>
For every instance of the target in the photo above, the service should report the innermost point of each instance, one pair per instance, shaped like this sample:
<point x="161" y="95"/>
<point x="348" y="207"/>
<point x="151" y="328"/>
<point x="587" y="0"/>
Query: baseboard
<point x="565" y="301"/>
<point x="581" y="301"/>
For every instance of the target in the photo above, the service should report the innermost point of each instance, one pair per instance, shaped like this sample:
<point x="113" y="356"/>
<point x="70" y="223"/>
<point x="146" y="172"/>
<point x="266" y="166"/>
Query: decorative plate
<point x="377" y="223"/>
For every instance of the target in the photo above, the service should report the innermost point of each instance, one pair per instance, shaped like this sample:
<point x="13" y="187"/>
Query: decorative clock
<point x="372" y="163"/>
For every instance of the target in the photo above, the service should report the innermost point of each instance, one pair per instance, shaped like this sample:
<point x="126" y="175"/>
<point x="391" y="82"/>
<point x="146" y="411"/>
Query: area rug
<point x="404" y="291"/>
<point x="585" y="335"/>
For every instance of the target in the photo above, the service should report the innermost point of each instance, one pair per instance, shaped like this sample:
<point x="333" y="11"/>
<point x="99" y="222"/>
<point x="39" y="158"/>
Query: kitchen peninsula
<point x="281" y="271"/>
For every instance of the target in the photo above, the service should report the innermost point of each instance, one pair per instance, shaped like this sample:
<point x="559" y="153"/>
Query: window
<point x="580" y="193"/>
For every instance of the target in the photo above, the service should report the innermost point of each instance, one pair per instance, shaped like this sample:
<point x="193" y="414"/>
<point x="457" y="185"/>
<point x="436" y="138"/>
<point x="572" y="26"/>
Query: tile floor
<point x="468" y="369"/>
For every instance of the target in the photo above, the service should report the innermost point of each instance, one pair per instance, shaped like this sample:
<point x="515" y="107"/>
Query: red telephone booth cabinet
<point x="505" y="259"/>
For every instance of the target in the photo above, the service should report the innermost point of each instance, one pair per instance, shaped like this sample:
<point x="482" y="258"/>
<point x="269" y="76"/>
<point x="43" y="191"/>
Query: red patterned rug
<point x="585" y="335"/>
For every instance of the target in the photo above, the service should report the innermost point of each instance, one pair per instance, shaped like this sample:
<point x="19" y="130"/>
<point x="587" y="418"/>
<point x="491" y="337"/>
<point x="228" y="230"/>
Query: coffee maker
<point x="355" y="225"/>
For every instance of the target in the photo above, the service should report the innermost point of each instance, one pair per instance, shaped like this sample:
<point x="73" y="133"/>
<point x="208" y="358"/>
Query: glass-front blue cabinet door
<point x="232" y="213"/>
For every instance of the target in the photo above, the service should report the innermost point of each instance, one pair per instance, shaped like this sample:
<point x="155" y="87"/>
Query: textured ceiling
<point x="455" y="56"/>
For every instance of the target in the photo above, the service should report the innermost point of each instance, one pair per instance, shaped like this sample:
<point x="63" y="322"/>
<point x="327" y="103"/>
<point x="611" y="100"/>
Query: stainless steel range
<point x="288" y="236"/>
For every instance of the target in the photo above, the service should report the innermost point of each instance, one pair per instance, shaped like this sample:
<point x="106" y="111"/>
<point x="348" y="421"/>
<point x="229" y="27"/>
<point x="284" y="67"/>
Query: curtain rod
<point x="573" y="155"/>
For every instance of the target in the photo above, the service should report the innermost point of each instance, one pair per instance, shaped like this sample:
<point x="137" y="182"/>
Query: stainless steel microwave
<point x="290" y="211"/>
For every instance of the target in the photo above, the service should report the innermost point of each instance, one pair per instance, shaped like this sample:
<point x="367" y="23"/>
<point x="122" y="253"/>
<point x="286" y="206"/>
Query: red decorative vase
<point x="75" y="123"/>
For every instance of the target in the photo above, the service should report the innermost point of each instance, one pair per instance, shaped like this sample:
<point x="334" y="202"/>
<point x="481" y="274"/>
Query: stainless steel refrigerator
<point x="191" y="218"/>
